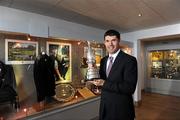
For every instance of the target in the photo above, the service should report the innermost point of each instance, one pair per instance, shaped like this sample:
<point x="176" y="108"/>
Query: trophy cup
<point x="92" y="71"/>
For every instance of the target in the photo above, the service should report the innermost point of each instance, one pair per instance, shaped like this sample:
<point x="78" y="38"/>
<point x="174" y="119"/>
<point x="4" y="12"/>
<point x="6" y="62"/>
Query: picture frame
<point x="20" y="51"/>
<point x="63" y="58"/>
<point x="98" y="52"/>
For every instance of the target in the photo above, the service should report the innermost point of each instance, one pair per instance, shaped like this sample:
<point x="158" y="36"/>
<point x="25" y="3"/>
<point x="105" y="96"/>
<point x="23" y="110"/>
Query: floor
<point x="158" y="107"/>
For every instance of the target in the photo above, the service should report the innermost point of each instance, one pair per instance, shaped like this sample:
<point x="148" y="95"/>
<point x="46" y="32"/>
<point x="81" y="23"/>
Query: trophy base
<point x="92" y="79"/>
<point x="96" y="91"/>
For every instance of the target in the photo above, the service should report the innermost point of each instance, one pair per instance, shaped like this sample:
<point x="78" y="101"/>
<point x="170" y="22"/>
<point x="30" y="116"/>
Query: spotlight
<point x="28" y="37"/>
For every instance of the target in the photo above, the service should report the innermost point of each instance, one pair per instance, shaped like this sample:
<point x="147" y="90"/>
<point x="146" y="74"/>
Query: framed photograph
<point x="62" y="54"/>
<point x="20" y="51"/>
<point x="157" y="64"/>
<point x="98" y="52"/>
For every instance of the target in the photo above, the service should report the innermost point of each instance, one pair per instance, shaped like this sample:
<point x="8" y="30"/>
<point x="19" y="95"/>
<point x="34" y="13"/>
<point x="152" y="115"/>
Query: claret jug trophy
<point x="92" y="70"/>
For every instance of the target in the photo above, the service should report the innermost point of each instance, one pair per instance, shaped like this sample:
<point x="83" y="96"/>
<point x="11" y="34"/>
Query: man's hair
<point x="112" y="32"/>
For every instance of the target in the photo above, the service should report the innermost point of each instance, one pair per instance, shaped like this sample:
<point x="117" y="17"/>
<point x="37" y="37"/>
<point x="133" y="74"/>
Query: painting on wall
<point x="98" y="52"/>
<point x="62" y="54"/>
<point x="20" y="51"/>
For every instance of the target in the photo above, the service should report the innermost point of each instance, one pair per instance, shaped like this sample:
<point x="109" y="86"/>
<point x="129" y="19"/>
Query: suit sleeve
<point x="101" y="71"/>
<point x="128" y="85"/>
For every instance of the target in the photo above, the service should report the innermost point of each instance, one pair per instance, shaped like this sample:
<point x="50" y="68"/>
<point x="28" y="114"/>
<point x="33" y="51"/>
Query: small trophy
<point x="92" y="71"/>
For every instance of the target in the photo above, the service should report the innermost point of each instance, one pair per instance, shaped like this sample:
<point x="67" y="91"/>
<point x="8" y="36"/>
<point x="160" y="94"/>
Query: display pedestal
<point x="85" y="110"/>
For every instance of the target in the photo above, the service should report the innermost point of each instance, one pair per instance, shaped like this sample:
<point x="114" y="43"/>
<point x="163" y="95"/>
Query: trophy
<point x="92" y="71"/>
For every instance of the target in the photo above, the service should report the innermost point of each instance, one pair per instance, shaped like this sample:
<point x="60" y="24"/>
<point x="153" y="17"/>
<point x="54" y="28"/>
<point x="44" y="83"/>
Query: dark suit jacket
<point x="44" y="77"/>
<point x="116" y="97"/>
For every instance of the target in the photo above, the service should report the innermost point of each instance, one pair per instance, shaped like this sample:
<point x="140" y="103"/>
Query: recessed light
<point x="139" y="14"/>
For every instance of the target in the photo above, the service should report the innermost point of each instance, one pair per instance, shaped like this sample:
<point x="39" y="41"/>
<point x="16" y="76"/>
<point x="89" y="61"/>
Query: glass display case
<point x="164" y="64"/>
<point x="72" y="91"/>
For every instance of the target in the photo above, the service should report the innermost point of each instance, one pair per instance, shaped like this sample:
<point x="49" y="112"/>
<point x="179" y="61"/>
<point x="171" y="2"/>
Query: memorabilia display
<point x="165" y="64"/>
<point x="59" y="75"/>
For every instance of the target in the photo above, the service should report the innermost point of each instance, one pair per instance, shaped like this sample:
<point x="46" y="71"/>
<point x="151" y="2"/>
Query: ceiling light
<point x="139" y="14"/>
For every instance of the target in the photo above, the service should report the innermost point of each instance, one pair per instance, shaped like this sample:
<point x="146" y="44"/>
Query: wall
<point x="136" y="38"/>
<point x="43" y="26"/>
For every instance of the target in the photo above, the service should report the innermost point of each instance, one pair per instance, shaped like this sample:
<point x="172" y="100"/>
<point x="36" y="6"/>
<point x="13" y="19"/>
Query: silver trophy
<point x="92" y="71"/>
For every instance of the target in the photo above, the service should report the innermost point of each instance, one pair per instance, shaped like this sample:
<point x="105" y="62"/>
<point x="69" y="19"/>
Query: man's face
<point x="112" y="44"/>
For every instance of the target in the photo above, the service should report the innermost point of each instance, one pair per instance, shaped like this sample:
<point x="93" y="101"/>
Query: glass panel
<point x="165" y="64"/>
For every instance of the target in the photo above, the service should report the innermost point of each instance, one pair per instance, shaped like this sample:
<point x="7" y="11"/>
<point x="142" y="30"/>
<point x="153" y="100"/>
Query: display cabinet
<point x="72" y="92"/>
<point x="164" y="64"/>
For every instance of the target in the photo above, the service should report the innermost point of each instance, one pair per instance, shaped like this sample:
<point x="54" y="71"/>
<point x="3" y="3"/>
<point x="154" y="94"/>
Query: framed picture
<point x="62" y="54"/>
<point x="20" y="51"/>
<point x="98" y="52"/>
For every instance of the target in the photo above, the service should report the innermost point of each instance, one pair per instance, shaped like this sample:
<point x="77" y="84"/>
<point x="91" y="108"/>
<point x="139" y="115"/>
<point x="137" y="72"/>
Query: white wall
<point x="154" y="32"/>
<point x="148" y="33"/>
<point x="43" y="26"/>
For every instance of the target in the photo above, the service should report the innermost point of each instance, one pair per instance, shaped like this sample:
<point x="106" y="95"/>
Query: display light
<point x="25" y="111"/>
<point x="28" y="37"/>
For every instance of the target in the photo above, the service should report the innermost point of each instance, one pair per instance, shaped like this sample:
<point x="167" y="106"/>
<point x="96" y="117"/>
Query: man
<point x="118" y="78"/>
<point x="57" y="63"/>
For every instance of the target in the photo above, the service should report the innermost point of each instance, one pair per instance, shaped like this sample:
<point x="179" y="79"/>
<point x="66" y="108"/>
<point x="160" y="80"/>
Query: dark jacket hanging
<point x="44" y="77"/>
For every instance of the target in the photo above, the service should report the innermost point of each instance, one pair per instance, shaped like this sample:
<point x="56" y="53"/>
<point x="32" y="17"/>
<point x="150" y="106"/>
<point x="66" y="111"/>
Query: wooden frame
<point x="64" y="54"/>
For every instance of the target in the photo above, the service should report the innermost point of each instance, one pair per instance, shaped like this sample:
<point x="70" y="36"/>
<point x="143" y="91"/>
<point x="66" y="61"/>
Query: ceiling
<point x="105" y="14"/>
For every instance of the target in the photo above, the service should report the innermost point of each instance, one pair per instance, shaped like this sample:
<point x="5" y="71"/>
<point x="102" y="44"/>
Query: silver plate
<point x="64" y="92"/>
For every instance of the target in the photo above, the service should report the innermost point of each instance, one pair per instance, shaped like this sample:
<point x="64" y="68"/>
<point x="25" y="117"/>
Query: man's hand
<point x="61" y="78"/>
<point x="97" y="82"/>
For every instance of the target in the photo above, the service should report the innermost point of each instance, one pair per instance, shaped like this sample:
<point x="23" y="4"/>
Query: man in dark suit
<point x="118" y="78"/>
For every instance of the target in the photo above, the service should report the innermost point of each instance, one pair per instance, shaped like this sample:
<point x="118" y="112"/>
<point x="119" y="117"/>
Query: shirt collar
<point x="114" y="55"/>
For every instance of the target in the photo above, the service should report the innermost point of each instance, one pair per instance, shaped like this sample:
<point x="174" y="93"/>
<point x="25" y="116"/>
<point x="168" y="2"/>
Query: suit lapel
<point x="105" y="63"/>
